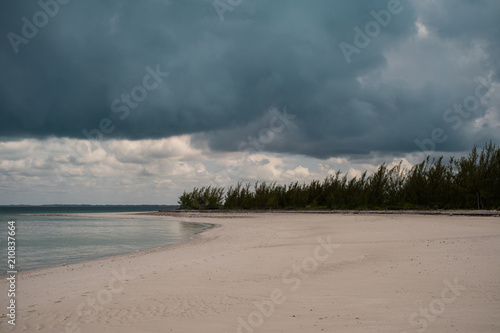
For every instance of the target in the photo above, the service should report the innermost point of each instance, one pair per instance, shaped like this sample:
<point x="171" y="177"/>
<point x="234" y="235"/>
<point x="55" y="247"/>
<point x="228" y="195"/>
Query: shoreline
<point x="383" y="265"/>
<point x="452" y="212"/>
<point x="114" y="215"/>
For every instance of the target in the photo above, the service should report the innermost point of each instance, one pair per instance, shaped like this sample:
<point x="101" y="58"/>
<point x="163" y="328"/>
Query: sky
<point x="128" y="102"/>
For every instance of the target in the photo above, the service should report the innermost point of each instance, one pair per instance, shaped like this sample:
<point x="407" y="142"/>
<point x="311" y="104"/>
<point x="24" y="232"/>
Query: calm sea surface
<point x="43" y="240"/>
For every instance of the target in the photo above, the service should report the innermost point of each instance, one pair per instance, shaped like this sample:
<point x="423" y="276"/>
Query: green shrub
<point x="466" y="183"/>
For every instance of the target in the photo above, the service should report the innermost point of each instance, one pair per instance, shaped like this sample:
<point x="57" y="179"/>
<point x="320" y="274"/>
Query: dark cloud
<point x="224" y="76"/>
<point x="468" y="22"/>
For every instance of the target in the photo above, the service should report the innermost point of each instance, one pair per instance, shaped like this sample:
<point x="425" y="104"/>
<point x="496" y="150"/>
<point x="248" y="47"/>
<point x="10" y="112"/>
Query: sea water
<point x="48" y="240"/>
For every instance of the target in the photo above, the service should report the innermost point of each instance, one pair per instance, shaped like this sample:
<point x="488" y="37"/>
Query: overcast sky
<point x="116" y="102"/>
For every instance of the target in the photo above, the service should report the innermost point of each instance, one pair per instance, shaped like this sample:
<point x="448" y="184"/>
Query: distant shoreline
<point x="216" y="212"/>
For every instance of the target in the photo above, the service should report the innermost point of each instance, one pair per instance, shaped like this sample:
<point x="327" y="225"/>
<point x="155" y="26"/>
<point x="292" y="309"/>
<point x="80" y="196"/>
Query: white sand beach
<point x="281" y="273"/>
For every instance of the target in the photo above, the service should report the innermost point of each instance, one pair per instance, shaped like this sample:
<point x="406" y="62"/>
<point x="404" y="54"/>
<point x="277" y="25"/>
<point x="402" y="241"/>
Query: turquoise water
<point x="43" y="241"/>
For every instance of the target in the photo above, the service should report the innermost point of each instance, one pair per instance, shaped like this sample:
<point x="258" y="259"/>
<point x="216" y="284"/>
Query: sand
<point x="281" y="273"/>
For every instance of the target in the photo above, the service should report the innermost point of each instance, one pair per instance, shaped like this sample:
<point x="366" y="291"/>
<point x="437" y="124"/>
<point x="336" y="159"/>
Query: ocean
<point x="43" y="239"/>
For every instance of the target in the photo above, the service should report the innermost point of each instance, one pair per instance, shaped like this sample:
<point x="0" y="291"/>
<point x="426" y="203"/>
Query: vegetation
<point x="467" y="183"/>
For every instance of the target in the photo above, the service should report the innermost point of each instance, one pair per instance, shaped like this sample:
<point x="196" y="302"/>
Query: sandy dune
<point x="282" y="273"/>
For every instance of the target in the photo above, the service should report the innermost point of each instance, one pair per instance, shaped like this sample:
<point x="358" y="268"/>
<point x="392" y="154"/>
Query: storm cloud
<point x="225" y="75"/>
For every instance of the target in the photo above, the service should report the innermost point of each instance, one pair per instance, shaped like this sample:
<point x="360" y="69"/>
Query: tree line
<point x="469" y="182"/>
